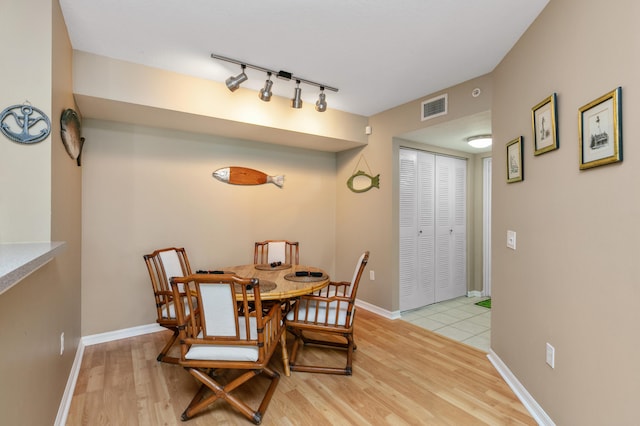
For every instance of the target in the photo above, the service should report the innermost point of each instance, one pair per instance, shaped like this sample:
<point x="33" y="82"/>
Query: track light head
<point x="265" y="92"/>
<point x="296" y="102"/>
<point x="321" y="103"/>
<point x="234" y="82"/>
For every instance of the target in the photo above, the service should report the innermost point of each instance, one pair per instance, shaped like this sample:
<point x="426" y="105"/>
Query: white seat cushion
<point x="218" y="352"/>
<point x="222" y="353"/>
<point x="310" y="316"/>
<point x="172" y="309"/>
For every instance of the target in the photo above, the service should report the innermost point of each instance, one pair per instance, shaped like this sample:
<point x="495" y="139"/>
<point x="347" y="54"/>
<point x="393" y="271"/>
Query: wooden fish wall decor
<point x="373" y="182"/>
<point x="361" y="181"/>
<point x="244" y="176"/>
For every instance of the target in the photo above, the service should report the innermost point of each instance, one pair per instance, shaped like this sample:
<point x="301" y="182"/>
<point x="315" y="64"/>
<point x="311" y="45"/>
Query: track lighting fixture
<point x="234" y="82"/>
<point x="265" y="93"/>
<point x="296" y="102"/>
<point x="321" y="103"/>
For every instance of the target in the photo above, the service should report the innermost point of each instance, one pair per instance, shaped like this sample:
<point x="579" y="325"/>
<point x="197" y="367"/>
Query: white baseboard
<point x="378" y="310"/>
<point x="474" y="293"/>
<point x="110" y="336"/>
<point x="523" y="395"/>
<point x="67" y="396"/>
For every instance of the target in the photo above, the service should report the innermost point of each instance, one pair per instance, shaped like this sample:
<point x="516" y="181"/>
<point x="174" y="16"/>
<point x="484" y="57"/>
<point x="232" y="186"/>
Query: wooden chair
<point x="329" y="314"/>
<point x="163" y="264"/>
<point x="223" y="330"/>
<point x="270" y="251"/>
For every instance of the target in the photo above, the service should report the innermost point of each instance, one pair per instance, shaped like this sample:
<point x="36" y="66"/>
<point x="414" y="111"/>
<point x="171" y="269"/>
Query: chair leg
<point x="285" y="354"/>
<point x="199" y="403"/>
<point x="162" y="356"/>
<point x="301" y="338"/>
<point x="350" y="348"/>
<point x="294" y="349"/>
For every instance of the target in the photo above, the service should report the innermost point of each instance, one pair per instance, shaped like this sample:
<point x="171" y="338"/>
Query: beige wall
<point x="40" y="201"/>
<point x="573" y="281"/>
<point x="25" y="78"/>
<point x="370" y="220"/>
<point x="146" y="188"/>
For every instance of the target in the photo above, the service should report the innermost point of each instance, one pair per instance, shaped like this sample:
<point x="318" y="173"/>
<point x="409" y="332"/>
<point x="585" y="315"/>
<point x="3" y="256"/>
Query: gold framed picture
<point x="544" y="120"/>
<point x="600" y="130"/>
<point x="515" y="166"/>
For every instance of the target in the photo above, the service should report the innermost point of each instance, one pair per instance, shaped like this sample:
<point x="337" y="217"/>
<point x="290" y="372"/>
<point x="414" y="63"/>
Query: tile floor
<point x="459" y="319"/>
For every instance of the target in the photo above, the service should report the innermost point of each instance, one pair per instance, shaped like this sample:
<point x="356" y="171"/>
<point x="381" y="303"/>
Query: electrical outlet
<point x="551" y="355"/>
<point x="61" y="343"/>
<point x="372" y="275"/>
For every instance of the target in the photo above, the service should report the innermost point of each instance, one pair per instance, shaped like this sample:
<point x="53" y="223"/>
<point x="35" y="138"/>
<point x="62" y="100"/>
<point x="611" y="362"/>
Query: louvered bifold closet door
<point x="432" y="218"/>
<point x="416" y="229"/>
<point x="451" y="237"/>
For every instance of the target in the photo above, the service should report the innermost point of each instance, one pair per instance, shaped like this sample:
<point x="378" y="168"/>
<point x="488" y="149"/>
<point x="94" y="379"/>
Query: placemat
<point x="304" y="279"/>
<point x="268" y="267"/>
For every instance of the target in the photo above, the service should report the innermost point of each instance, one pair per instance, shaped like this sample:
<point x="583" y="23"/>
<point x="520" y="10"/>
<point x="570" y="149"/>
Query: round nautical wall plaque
<point x="24" y="124"/>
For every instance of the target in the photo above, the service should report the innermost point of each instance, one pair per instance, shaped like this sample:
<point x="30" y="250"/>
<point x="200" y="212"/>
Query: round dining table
<point x="281" y="282"/>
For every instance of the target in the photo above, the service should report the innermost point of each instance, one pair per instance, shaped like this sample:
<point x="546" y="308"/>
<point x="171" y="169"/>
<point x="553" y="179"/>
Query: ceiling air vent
<point x="434" y="107"/>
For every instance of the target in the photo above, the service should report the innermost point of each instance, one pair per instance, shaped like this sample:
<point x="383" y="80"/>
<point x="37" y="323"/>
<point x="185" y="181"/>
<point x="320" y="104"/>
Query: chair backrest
<point x="332" y="306"/>
<point x="357" y="273"/>
<point x="163" y="264"/>
<point x="270" y="251"/>
<point x="225" y="310"/>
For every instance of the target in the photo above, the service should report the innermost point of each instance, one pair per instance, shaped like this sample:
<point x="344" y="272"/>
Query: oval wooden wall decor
<point x="361" y="181"/>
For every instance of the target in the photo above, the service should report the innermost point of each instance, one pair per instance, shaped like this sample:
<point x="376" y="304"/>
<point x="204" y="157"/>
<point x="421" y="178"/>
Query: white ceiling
<point x="379" y="53"/>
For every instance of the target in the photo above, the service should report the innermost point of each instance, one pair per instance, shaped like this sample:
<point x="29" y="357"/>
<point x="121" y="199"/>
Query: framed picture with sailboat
<point x="600" y="130"/>
<point x="544" y="119"/>
<point x="515" y="166"/>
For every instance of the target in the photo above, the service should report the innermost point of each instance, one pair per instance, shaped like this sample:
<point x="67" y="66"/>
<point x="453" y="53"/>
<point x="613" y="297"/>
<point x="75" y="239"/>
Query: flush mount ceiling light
<point x="479" y="141"/>
<point x="265" y="93"/>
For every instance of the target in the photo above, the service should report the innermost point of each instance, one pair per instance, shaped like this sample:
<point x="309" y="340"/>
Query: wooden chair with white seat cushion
<point x="272" y="251"/>
<point x="163" y="264"/>
<point x="329" y="314"/>
<point x="226" y="329"/>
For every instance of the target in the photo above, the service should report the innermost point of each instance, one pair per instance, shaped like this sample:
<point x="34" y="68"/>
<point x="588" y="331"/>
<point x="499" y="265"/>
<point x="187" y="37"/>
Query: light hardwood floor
<point x="402" y="375"/>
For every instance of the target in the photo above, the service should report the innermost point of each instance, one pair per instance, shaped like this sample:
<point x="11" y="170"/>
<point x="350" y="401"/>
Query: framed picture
<point x="515" y="169"/>
<point x="600" y="130"/>
<point x="545" y="128"/>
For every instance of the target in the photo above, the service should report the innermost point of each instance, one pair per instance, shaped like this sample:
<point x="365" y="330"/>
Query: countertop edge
<point x="18" y="260"/>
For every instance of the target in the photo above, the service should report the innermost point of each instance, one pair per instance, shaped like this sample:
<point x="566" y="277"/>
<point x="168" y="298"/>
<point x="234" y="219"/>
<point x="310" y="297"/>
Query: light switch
<point x="511" y="239"/>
